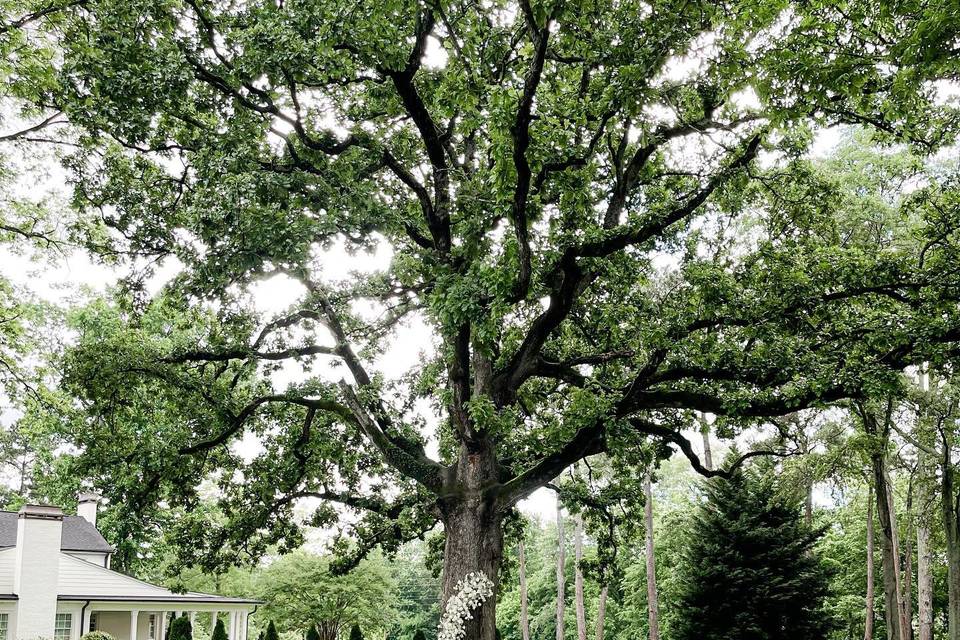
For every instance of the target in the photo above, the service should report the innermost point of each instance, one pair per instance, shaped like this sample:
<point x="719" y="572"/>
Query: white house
<point x="56" y="584"/>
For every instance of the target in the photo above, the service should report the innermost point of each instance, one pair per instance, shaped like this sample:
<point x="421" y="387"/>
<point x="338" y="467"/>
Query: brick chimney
<point x="37" y="570"/>
<point x="87" y="505"/>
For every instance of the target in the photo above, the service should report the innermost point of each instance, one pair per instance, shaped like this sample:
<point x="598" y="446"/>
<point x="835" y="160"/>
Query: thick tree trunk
<point x="474" y="540"/>
<point x="524" y="613"/>
<point x="561" y="574"/>
<point x="578" y="581"/>
<point x="653" y="608"/>
<point x="870" y="615"/>
<point x="602" y="612"/>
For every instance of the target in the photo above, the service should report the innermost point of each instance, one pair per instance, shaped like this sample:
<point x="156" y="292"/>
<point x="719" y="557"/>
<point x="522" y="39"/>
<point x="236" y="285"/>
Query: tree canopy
<point x="602" y="215"/>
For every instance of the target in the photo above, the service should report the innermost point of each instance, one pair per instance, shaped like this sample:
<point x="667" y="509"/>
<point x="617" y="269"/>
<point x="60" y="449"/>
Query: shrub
<point x="219" y="631"/>
<point x="96" y="635"/>
<point x="355" y="633"/>
<point x="312" y="633"/>
<point x="271" y="632"/>
<point x="419" y="635"/>
<point x="181" y="629"/>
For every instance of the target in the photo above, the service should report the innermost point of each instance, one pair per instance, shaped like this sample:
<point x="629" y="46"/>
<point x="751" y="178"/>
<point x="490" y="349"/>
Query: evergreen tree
<point x="750" y="571"/>
<point x="180" y="629"/>
<point x="271" y="632"/>
<point x="355" y="633"/>
<point x="312" y="633"/>
<point x="419" y="635"/>
<point x="220" y="632"/>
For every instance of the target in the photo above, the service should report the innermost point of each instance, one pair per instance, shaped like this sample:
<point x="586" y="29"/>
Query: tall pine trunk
<point x="653" y="608"/>
<point x="951" y="527"/>
<point x="707" y="451"/>
<point x="578" y="580"/>
<point x="870" y="613"/>
<point x="893" y="609"/>
<point x="891" y="564"/>
<point x="907" y="593"/>
<point x="524" y="613"/>
<point x="924" y="582"/>
<point x="926" y="467"/>
<point x="899" y="577"/>
<point x="561" y="574"/>
<point x="602" y="611"/>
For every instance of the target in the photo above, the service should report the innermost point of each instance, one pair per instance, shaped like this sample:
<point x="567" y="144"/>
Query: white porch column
<point x="232" y="633"/>
<point x="162" y="626"/>
<point x="193" y="619"/>
<point x="243" y="625"/>
<point x="85" y="621"/>
<point x="133" y="624"/>
<point x="214" y="615"/>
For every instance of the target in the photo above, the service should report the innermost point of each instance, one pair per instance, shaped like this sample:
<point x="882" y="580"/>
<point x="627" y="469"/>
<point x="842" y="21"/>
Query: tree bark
<point x="907" y="593"/>
<point x="602" y="612"/>
<point x="926" y="476"/>
<point x="891" y="565"/>
<point x="870" y="615"/>
<point x="561" y="574"/>
<point x="899" y="578"/>
<point x="924" y="583"/>
<point x="951" y="527"/>
<point x="893" y="610"/>
<point x="578" y="580"/>
<point x="474" y="541"/>
<point x="524" y="614"/>
<point x="707" y="452"/>
<point x="653" y="608"/>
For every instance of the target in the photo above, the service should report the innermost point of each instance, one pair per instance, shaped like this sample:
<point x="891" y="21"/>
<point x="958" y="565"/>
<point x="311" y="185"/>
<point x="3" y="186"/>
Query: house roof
<point x="80" y="580"/>
<point x="77" y="534"/>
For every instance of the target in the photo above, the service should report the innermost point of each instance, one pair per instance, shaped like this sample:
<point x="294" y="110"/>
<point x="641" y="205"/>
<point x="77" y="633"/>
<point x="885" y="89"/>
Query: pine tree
<point x="312" y="633"/>
<point x="220" y="632"/>
<point x="355" y="633"/>
<point x="271" y="632"/>
<point x="419" y="635"/>
<point x="750" y="571"/>
<point x="181" y="629"/>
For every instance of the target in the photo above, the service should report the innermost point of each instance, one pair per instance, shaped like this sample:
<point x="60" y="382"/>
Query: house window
<point x="151" y="628"/>
<point x="4" y="622"/>
<point x="63" y="626"/>
<point x="93" y="622"/>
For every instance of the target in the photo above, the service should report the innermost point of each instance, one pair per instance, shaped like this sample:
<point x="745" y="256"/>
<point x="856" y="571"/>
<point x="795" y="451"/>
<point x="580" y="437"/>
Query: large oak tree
<point x="601" y="210"/>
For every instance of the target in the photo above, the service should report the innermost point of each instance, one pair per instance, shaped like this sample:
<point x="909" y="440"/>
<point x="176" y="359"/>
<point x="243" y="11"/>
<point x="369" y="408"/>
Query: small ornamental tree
<point x="180" y="629"/>
<point x="220" y="633"/>
<point x="419" y="635"/>
<point x="750" y="570"/>
<point x="355" y="633"/>
<point x="271" y="632"/>
<point x="312" y="633"/>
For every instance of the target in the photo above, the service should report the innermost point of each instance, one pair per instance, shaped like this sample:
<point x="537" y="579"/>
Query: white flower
<point x="471" y="591"/>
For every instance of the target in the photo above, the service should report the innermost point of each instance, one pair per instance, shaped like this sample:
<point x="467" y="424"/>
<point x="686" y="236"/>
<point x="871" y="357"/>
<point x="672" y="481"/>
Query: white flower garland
<point x="471" y="591"/>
